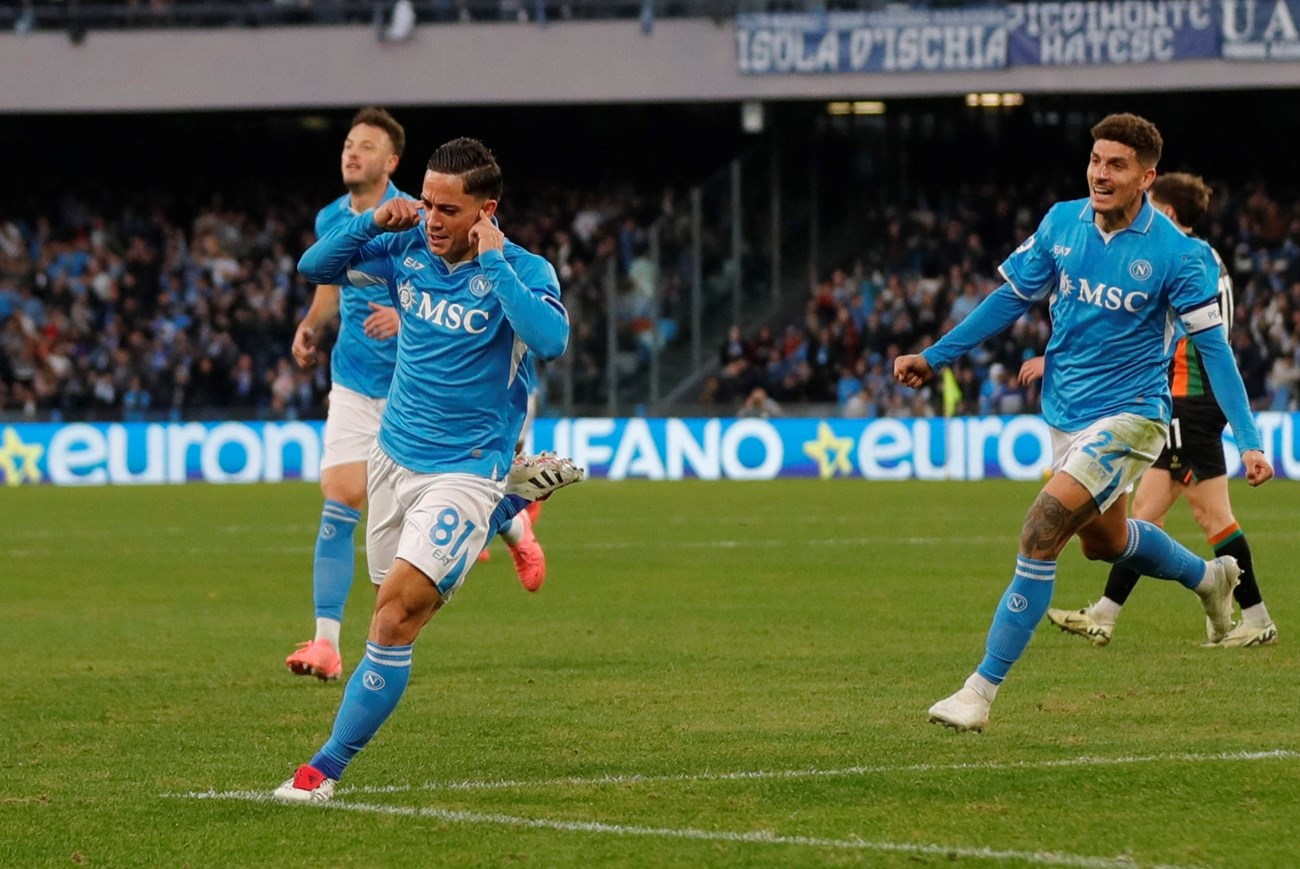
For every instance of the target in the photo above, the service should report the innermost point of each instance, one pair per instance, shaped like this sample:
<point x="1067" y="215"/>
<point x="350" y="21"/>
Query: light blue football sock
<point x="506" y="510"/>
<point x="332" y="571"/>
<point x="1152" y="552"/>
<point x="1019" y="612"/>
<point x="371" y="696"/>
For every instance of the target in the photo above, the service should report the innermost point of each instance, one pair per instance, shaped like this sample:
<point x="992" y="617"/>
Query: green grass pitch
<point x="715" y="674"/>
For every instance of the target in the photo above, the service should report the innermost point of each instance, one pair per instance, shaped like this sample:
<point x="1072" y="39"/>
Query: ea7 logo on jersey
<point x="412" y="263"/>
<point x="452" y="315"/>
<point x="1060" y="250"/>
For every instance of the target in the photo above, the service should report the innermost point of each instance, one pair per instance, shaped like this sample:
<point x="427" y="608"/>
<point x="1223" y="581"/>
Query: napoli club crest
<point x="1140" y="270"/>
<point x="480" y="286"/>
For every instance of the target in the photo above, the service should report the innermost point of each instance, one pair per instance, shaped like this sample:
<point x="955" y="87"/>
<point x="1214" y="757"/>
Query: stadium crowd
<point x="132" y="313"/>
<point x="923" y="269"/>
<point x="123" y="311"/>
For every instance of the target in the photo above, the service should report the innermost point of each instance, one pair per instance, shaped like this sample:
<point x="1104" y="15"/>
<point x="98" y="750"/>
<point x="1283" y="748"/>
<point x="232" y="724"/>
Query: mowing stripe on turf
<point x="761" y="837"/>
<point x="590" y="545"/>
<point x="755" y="775"/>
<point x="601" y="545"/>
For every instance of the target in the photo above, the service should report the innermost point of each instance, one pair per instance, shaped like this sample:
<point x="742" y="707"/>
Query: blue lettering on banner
<point x="963" y="448"/>
<point x="136" y="452"/>
<point x="1016" y="34"/>
<point x="1261" y="29"/>
<point x="1111" y="32"/>
<point x="897" y="40"/>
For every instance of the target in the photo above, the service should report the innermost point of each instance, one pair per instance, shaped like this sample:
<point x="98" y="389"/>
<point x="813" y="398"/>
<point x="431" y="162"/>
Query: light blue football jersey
<point x="359" y="362"/>
<point x="1227" y="305"/>
<point x="530" y="374"/>
<point x="460" y="387"/>
<point x="1113" y="304"/>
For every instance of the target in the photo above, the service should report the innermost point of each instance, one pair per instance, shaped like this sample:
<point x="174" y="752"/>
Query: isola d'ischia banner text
<point x="904" y="39"/>
<point x="961" y="448"/>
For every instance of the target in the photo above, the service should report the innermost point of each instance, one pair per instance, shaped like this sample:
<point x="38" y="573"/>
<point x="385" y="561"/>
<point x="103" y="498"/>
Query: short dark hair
<point x="374" y="116"/>
<point x="1188" y="195"/>
<point x="1138" y="133"/>
<point x="471" y="160"/>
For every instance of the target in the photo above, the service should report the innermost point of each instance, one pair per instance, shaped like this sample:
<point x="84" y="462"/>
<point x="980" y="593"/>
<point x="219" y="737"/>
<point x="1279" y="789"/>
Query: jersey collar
<point x="1142" y="223"/>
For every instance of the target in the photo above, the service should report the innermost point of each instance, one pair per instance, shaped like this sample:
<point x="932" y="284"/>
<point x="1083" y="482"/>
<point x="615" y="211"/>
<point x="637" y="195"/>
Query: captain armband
<point x="1207" y="316"/>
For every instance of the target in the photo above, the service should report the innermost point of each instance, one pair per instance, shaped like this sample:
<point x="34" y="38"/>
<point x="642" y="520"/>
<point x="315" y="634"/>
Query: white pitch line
<point x="1042" y="858"/>
<point x="762" y="837"/>
<point x="848" y="771"/>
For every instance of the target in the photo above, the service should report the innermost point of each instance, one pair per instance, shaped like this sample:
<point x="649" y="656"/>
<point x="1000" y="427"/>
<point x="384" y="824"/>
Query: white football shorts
<point x="438" y="523"/>
<point x="351" y="426"/>
<point x="1108" y="456"/>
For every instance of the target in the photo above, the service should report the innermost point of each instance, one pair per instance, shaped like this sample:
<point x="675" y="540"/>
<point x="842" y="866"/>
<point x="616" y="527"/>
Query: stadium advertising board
<point x="894" y="40"/>
<point x="1261" y="29"/>
<point x="966" y="448"/>
<point x="1017" y="34"/>
<point x="1072" y="34"/>
<point x="137" y="452"/>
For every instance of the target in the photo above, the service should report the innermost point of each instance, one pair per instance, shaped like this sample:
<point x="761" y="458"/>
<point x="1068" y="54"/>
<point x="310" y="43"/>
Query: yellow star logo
<point x="18" y="460"/>
<point x="831" y="453"/>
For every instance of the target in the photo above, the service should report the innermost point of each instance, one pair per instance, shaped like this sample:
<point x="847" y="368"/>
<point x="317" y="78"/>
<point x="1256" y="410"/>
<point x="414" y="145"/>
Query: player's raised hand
<point x="912" y="370"/>
<point x="1032" y="370"/>
<point x="486" y="234"/>
<point x="1258" y="470"/>
<point x="397" y="214"/>
<point x="382" y="323"/>
<point x="304" y="345"/>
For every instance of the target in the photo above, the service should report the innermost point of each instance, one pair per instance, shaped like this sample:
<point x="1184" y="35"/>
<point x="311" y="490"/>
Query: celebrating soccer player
<point x="472" y="304"/>
<point x="1113" y="268"/>
<point x="1191" y="463"/>
<point x="361" y="369"/>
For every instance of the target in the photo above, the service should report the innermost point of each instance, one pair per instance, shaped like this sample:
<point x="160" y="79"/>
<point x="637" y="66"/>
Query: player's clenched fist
<point x="486" y="235"/>
<point x="1258" y="470"/>
<point x="397" y="214"/>
<point x="912" y="370"/>
<point x="304" y="345"/>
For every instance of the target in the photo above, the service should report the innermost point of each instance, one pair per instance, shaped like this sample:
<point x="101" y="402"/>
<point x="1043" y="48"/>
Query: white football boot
<point x="968" y="709"/>
<point x="1249" y="632"/>
<point x="1216" y="596"/>
<point x="536" y="478"/>
<point x="1081" y="623"/>
<point x="308" y="785"/>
